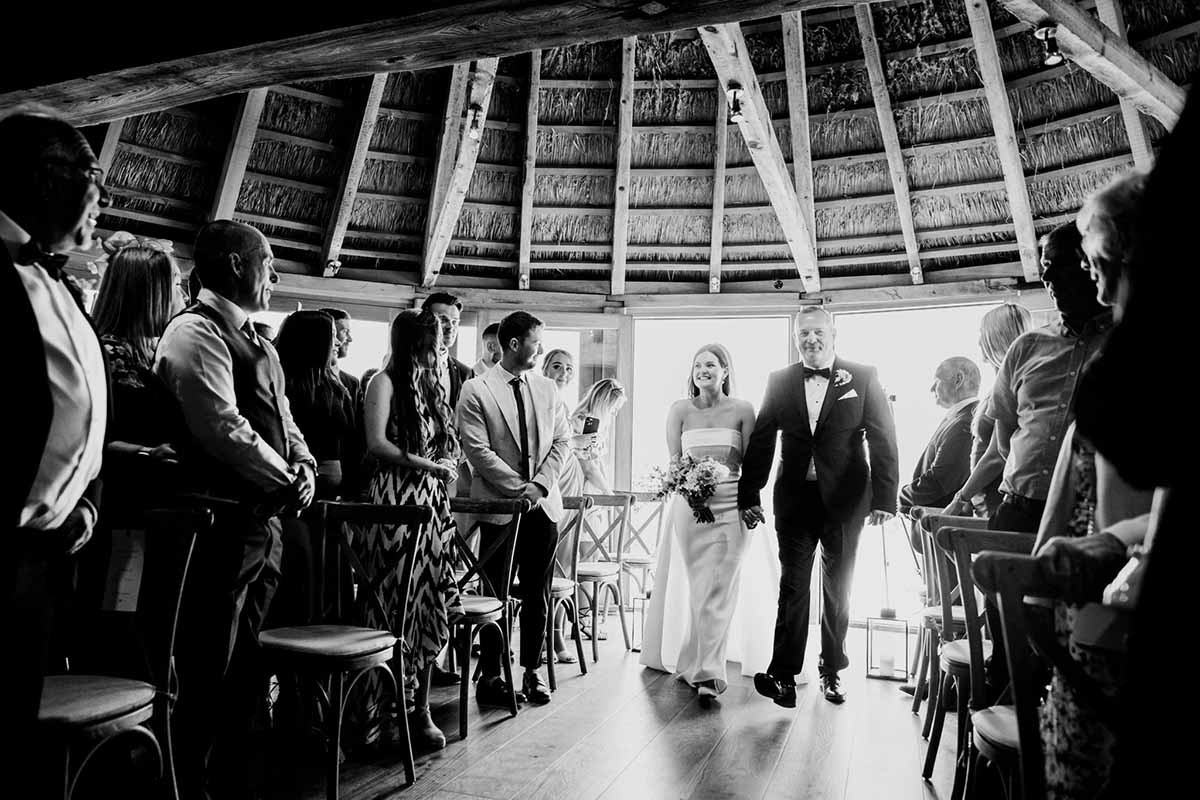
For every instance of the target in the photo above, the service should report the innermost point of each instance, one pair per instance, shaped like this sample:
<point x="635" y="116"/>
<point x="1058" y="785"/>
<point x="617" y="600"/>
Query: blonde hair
<point x="999" y="328"/>
<point x="1109" y="216"/>
<point x="603" y="398"/>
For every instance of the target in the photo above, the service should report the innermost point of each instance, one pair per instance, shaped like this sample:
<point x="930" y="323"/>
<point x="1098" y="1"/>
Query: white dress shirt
<point x="78" y="391"/>
<point x="194" y="362"/>
<point x="814" y="393"/>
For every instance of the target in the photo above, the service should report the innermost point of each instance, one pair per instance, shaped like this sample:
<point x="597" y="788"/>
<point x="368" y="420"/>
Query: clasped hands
<point x="290" y="500"/>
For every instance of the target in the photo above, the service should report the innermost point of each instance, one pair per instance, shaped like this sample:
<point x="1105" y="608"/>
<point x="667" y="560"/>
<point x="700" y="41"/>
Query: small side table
<point x="887" y="649"/>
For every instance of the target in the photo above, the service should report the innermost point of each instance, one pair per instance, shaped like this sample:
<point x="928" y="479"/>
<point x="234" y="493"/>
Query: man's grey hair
<point x="968" y="368"/>
<point x="815" y="309"/>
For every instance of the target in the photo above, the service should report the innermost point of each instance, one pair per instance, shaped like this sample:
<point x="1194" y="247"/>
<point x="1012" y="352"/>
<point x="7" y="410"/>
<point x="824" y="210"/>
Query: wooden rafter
<point x="797" y="92"/>
<point x="1110" y="14"/>
<point x="891" y="139"/>
<point x="1104" y="54"/>
<point x="624" y="155"/>
<point x="1015" y="186"/>
<point x="529" y="170"/>
<point x="727" y="48"/>
<point x="108" y="150"/>
<point x="445" y="211"/>
<point x="720" y="156"/>
<point x="237" y="155"/>
<point x="356" y="161"/>
<point x="452" y="122"/>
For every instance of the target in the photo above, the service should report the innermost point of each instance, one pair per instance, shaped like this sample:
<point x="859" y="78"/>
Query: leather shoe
<point x="911" y="688"/>
<point x="535" y="688"/>
<point x="784" y="694"/>
<point x="493" y="692"/>
<point x="831" y="686"/>
<point x="443" y="677"/>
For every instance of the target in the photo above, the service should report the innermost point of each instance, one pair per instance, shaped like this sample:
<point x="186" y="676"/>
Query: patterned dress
<point x="1078" y="744"/>
<point x="433" y="595"/>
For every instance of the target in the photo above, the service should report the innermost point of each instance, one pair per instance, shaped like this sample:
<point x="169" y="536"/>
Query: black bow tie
<point x="53" y="263"/>
<point x="809" y="372"/>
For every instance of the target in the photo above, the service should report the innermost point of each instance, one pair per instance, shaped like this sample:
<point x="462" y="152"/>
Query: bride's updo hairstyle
<point x="725" y="361"/>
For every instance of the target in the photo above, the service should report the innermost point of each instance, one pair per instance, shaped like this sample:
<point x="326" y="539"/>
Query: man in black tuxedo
<point x="946" y="463"/>
<point x="50" y="197"/>
<point x="825" y="408"/>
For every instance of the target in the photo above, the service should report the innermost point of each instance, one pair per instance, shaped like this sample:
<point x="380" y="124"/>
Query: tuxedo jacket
<point x="460" y="373"/>
<point x="35" y="408"/>
<point x="488" y="429"/>
<point x="945" y="465"/>
<point x="854" y="413"/>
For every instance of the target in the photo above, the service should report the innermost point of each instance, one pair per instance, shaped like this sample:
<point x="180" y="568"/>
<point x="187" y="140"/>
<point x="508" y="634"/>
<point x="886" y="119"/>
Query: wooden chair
<point x="492" y="607"/>
<point x="604" y="567"/>
<point x="962" y="660"/>
<point x="564" y="580"/>
<point x="82" y="714"/>
<point x="640" y="555"/>
<point x="336" y="656"/>
<point x="1009" y="736"/>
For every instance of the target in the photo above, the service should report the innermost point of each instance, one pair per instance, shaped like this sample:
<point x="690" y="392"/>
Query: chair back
<point x="1006" y="577"/>
<point x="961" y="545"/>
<point x="410" y="523"/>
<point x="646" y="519"/>
<point x="607" y="544"/>
<point x="566" y="554"/>
<point x="504" y="547"/>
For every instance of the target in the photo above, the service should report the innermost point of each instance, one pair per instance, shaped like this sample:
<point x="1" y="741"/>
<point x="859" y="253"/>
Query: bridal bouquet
<point x="693" y="479"/>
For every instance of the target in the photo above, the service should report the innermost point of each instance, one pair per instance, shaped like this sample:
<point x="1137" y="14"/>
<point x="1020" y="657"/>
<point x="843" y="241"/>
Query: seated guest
<point x="999" y="328"/>
<point x="411" y="435"/>
<point x="946" y="462"/>
<point x="50" y="196"/>
<point x="601" y="402"/>
<point x="491" y="350"/>
<point x="243" y="444"/>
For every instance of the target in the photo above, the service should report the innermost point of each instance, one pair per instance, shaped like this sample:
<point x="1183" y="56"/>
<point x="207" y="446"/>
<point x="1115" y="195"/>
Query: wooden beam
<point x="727" y="48"/>
<point x="797" y="92"/>
<point x="529" y="170"/>
<point x="352" y="172"/>
<point x="716" y="246"/>
<point x="1104" y="54"/>
<point x="411" y="37"/>
<point x="624" y="155"/>
<point x="891" y="140"/>
<point x="479" y="96"/>
<point x="452" y="122"/>
<point x="992" y="75"/>
<point x="237" y="155"/>
<point x="108" y="150"/>
<point x="1110" y="14"/>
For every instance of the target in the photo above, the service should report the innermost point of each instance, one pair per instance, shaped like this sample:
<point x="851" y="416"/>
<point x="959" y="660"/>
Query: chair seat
<point x="475" y="605"/>
<point x="997" y="727"/>
<point x="956" y="656"/>
<point x="639" y="559"/>
<point x="78" y="700"/>
<point x="328" y="641"/>
<point x="562" y="586"/>
<point x="594" y="570"/>
<point x="957" y="614"/>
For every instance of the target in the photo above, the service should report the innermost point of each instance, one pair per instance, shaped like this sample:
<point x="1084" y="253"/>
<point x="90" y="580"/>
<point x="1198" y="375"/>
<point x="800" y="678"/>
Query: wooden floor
<point x="626" y="732"/>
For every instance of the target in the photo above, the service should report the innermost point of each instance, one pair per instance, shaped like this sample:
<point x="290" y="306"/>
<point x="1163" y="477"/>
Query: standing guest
<point x="999" y="328"/>
<point x="452" y="373"/>
<point x="559" y="366"/>
<point x="341" y="319"/>
<point x="601" y="402"/>
<point x="825" y="487"/>
<point x="50" y="196"/>
<point x="516" y="438"/>
<point x="411" y="435"/>
<point x="491" y="350"/>
<point x="946" y="462"/>
<point x="243" y="444"/>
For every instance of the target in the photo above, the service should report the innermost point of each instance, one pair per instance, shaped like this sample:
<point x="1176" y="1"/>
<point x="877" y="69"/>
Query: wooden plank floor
<point x="623" y="731"/>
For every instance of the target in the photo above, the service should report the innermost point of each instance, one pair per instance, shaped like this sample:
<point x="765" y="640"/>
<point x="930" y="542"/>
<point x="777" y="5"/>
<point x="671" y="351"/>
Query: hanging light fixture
<point x="734" y="94"/>
<point x="1047" y="35"/>
<point x="476" y="124"/>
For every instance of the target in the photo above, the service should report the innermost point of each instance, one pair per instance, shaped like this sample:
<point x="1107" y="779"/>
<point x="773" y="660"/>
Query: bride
<point x="695" y="612"/>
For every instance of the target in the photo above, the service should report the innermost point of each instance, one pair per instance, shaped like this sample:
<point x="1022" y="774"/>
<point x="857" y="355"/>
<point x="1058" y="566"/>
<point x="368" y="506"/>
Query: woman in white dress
<point x="696" y="583"/>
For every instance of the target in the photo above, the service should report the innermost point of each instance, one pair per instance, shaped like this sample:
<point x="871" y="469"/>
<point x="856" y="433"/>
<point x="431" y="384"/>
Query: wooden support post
<point x="356" y="161"/>
<point x="891" y="139"/>
<point x="797" y="89"/>
<point x="108" y="150"/>
<point x="717" y="237"/>
<point x="624" y="155"/>
<point x="452" y="122"/>
<point x="529" y="170"/>
<point x="1110" y="14"/>
<point x="1006" y="136"/>
<point x="237" y="155"/>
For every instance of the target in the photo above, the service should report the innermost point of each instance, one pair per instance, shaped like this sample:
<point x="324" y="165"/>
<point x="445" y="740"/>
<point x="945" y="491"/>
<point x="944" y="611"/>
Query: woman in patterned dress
<point x="410" y="433"/>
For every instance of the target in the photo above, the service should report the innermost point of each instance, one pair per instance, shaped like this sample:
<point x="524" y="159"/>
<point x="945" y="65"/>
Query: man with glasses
<point x="50" y="198"/>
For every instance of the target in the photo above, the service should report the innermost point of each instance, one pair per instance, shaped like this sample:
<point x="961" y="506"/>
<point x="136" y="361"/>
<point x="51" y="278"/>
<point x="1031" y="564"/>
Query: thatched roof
<point x="166" y="167"/>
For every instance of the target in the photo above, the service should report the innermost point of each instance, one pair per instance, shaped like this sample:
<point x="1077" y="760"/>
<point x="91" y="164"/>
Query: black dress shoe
<point x="831" y="685"/>
<point x="535" y="689"/>
<point x="443" y="677"/>
<point x="493" y="692"/>
<point x="784" y="694"/>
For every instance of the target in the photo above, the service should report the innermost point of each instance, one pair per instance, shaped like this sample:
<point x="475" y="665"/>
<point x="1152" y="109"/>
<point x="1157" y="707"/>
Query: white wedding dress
<point x="716" y="584"/>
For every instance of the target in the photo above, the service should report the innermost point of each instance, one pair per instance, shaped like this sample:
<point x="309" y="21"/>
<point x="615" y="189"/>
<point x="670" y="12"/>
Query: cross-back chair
<point x="336" y="656"/>
<point x="601" y="562"/>
<point x="564" y="582"/>
<point x="640" y="555"/>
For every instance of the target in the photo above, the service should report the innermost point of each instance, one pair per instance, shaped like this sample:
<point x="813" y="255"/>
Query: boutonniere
<point x="841" y="378"/>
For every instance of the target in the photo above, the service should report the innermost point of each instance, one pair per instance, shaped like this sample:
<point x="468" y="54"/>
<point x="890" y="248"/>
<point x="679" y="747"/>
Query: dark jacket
<point x="945" y="465"/>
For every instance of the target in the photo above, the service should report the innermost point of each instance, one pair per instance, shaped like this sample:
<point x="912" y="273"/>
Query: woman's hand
<point x="445" y="470"/>
<point x="958" y="507"/>
<point x="584" y="441"/>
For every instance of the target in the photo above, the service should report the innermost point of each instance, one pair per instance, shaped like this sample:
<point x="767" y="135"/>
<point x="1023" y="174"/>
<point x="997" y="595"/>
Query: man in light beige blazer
<point x="497" y="411"/>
